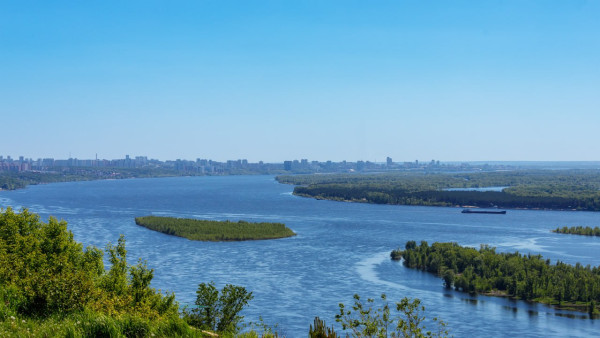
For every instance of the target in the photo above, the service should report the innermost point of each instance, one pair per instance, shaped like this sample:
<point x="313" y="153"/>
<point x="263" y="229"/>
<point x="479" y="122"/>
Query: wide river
<point x="341" y="249"/>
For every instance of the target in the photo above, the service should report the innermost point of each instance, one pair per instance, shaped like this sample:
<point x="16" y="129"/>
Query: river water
<point x="341" y="249"/>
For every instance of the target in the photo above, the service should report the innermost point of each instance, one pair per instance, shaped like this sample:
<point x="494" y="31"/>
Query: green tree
<point x="363" y="320"/>
<point x="43" y="271"/>
<point x="219" y="313"/>
<point x="116" y="278"/>
<point x="43" y="267"/>
<point x="448" y="276"/>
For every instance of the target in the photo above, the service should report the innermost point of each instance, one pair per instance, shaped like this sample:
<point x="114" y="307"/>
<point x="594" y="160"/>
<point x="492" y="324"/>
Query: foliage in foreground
<point x="44" y="271"/>
<point x="205" y="230"/>
<point x="320" y="330"/>
<point x="578" y="230"/>
<point x="408" y="319"/>
<point x="527" y="277"/>
<point x="45" y="274"/>
<point x="218" y="313"/>
<point x="94" y="324"/>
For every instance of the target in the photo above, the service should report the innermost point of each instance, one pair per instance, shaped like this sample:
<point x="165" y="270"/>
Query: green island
<point x="524" y="189"/>
<point x="51" y="286"/>
<point x="578" y="230"/>
<point x="214" y="231"/>
<point x="527" y="277"/>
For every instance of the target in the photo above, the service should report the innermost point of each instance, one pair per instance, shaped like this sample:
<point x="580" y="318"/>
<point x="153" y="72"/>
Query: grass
<point x="90" y="324"/>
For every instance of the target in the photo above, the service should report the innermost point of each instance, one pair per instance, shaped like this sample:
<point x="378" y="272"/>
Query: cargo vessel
<point x="473" y="211"/>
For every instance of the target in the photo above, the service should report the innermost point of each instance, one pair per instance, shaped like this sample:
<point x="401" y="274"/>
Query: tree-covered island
<point x="578" y="230"/>
<point x="527" y="277"/>
<point x="525" y="189"/>
<point x="215" y="231"/>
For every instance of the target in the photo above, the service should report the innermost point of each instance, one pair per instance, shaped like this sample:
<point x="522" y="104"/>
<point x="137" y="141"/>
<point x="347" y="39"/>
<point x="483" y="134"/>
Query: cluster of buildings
<point x="201" y="166"/>
<point x="205" y="166"/>
<point x="360" y="166"/>
<point x="46" y="164"/>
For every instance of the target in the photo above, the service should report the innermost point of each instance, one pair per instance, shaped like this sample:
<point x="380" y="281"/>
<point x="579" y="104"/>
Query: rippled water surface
<point x="341" y="249"/>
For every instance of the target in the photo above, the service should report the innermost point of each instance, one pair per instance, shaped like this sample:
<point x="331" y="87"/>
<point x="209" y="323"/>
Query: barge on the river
<point x="474" y="211"/>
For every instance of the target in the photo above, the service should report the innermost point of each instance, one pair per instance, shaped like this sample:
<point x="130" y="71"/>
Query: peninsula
<point x="518" y="189"/>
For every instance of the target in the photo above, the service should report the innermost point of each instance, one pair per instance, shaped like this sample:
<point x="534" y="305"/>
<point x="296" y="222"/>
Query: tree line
<point x="527" y="277"/>
<point x="19" y="180"/>
<point x="546" y="181"/>
<point x="578" y="230"/>
<point x="568" y="190"/>
<point x="206" y="230"/>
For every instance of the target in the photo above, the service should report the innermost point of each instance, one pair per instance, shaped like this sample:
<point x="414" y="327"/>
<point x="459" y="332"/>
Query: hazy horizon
<point x="568" y="163"/>
<point x="336" y="80"/>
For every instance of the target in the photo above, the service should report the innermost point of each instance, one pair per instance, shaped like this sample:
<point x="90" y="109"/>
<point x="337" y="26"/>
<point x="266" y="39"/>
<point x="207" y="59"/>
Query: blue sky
<point x="279" y="80"/>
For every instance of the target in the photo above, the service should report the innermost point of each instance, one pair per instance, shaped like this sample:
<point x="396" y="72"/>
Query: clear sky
<point x="282" y="80"/>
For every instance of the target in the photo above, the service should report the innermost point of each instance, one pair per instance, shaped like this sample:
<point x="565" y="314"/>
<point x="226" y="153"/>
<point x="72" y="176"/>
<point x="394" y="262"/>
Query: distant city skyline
<point x="8" y="157"/>
<point x="108" y="162"/>
<point x="322" y="80"/>
<point x="111" y="168"/>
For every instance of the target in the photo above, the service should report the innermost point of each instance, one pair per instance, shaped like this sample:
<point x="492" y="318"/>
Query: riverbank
<point x="20" y="180"/>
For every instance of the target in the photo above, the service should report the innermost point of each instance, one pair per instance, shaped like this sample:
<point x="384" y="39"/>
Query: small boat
<point x="473" y="211"/>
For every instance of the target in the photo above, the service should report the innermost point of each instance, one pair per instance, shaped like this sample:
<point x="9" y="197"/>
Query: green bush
<point x="363" y="320"/>
<point x="45" y="275"/>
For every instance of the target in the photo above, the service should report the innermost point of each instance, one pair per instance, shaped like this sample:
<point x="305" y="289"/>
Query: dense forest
<point x="537" y="189"/>
<point x="51" y="286"/>
<point x="204" y="230"/>
<point x="527" y="277"/>
<point x="578" y="230"/>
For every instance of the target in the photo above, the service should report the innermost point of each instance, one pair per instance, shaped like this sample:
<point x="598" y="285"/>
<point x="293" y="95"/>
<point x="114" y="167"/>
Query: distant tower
<point x="389" y="161"/>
